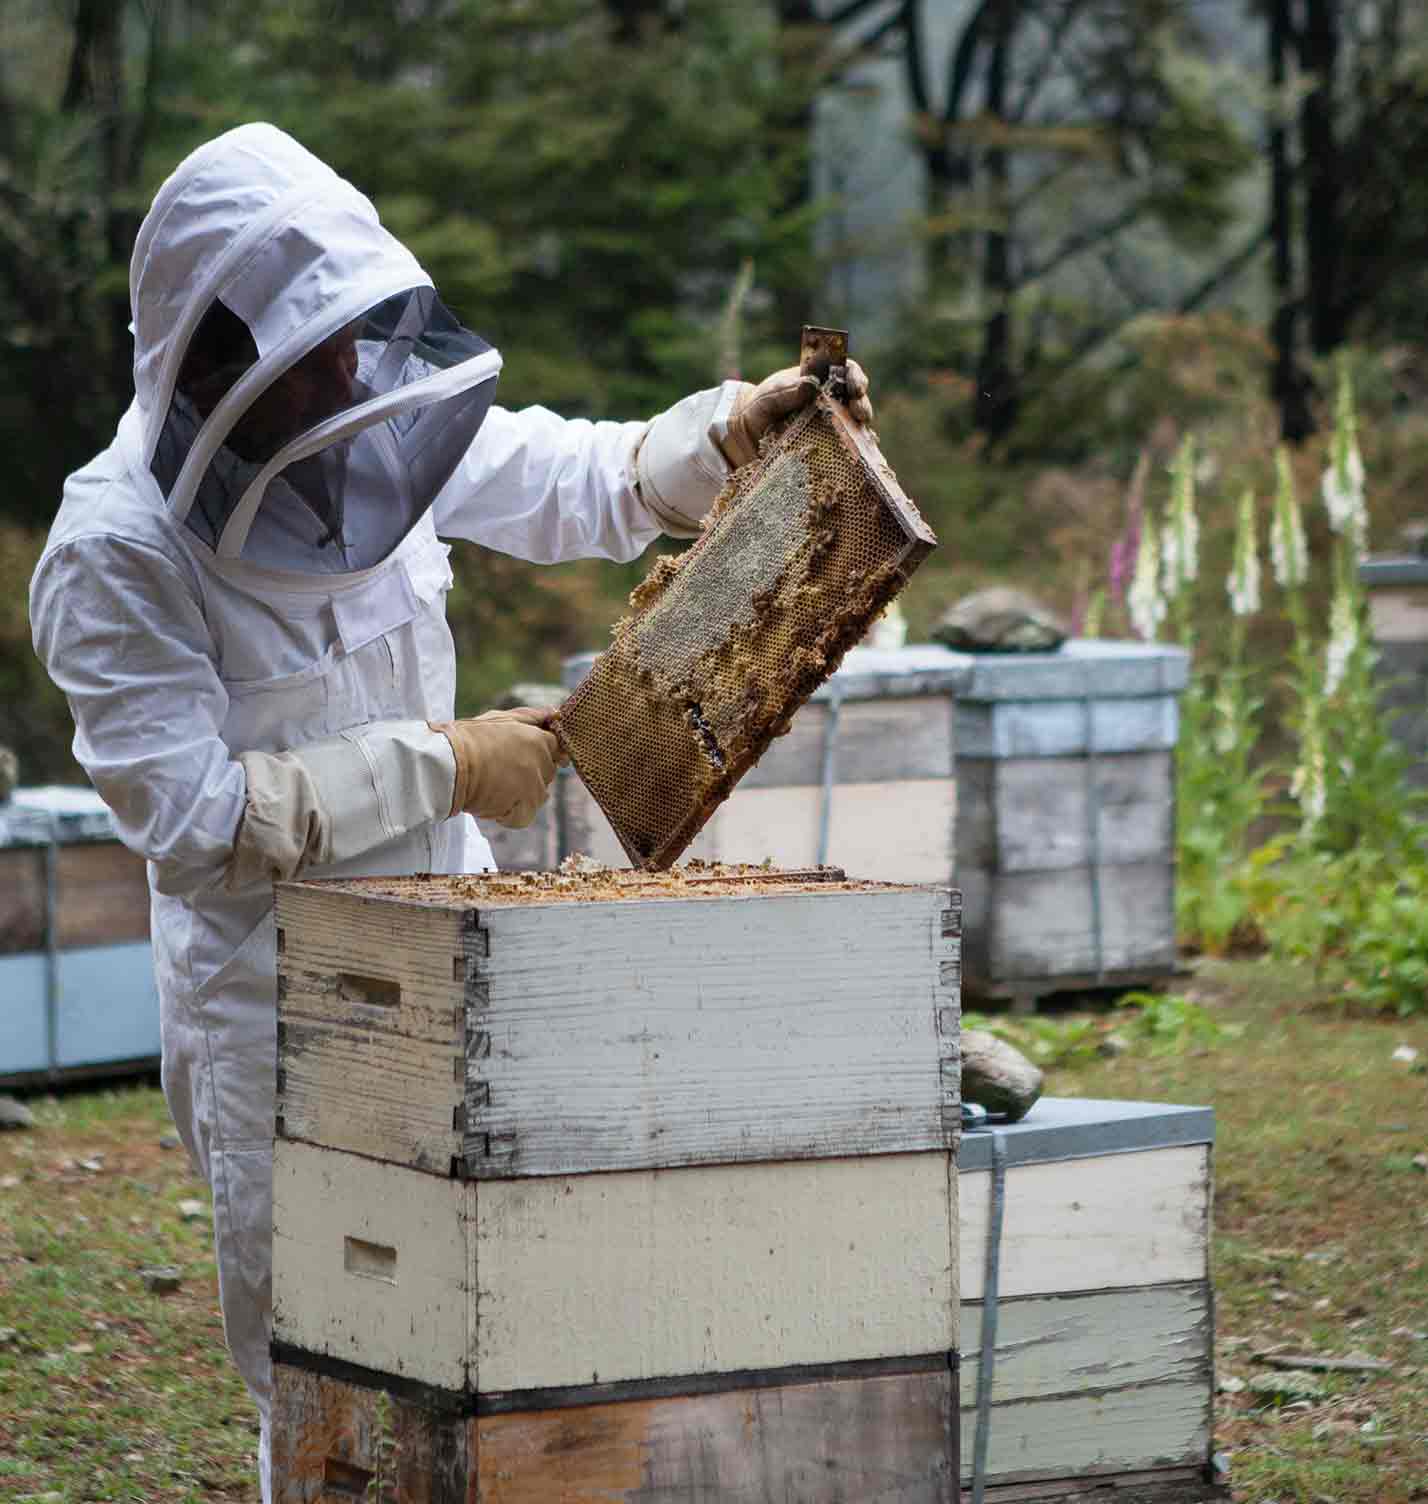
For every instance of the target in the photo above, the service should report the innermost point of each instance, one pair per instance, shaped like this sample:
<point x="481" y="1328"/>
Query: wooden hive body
<point x="804" y="549"/>
<point x="594" y="1187"/>
<point x="1065" y="817"/>
<point x="1103" y="1369"/>
<point x="77" y="994"/>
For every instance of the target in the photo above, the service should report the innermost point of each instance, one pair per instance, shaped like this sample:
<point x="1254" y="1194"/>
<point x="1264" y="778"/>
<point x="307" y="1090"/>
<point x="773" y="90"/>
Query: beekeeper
<point x="243" y="599"/>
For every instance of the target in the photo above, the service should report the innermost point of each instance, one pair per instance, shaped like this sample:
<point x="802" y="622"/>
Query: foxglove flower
<point x="1145" y="602"/>
<point x="1287" y="549"/>
<point x="1343" y="639"/>
<point x="1243" y="581"/>
<point x="1308" y="784"/>
<point x="1343" y="484"/>
<point x="1180" y="544"/>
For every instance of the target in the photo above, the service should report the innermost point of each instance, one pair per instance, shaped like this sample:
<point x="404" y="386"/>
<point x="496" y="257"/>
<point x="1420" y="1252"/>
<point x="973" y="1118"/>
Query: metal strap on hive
<point x="805" y="547"/>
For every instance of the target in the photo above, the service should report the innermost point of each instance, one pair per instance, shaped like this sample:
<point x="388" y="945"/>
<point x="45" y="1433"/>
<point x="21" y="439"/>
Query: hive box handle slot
<point x="374" y="992"/>
<point x="345" y="1478"/>
<point x="369" y="1260"/>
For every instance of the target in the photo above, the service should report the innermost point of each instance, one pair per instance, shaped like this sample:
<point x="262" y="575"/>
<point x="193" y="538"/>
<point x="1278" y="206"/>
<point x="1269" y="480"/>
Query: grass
<point x="1321" y="1227"/>
<point x="106" y="1390"/>
<point x="1321" y="1224"/>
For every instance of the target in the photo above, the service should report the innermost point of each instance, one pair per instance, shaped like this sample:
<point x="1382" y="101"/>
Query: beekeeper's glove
<point x="505" y="761"/>
<point x="335" y="799"/>
<point x="757" y="408"/>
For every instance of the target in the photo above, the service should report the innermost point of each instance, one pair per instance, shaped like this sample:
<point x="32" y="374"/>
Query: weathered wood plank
<point x="22" y="900"/>
<point x="849" y="1441"/>
<point x="1119" y="1431"/>
<point x="334" y="1440"/>
<point x="1034" y="814"/>
<point x="103" y="891"/>
<point x="371" y="1025"/>
<point x="1051" y="1346"/>
<point x="681" y="1032"/>
<point x="1093" y="1224"/>
<point x="370" y="1264"/>
<point x="1061" y="727"/>
<point x="855" y="1441"/>
<point x="875" y="741"/>
<point x="602" y="1278"/>
<point x="1028" y="925"/>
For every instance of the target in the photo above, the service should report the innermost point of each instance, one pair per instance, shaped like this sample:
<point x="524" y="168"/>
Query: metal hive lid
<point x="1061" y="1128"/>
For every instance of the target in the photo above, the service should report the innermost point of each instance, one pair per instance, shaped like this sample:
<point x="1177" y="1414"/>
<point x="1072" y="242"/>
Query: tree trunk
<point x="1287" y="384"/>
<point x="1318" y="56"/>
<point x="997" y="399"/>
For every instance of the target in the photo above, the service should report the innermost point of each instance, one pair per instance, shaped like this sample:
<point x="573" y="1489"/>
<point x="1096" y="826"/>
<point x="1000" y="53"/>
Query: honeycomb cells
<point x="805" y="547"/>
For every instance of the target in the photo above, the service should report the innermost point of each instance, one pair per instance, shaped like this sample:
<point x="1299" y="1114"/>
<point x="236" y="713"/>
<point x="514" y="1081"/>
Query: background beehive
<point x="807" y="545"/>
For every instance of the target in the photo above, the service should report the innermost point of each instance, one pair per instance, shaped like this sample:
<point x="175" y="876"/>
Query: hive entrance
<point x="804" y="548"/>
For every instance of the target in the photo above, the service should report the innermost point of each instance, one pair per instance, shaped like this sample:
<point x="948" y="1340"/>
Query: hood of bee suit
<point x="303" y="392"/>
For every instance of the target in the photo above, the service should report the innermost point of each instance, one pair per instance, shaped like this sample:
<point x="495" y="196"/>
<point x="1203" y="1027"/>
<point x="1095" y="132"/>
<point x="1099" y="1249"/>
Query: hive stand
<point x="643" y="1195"/>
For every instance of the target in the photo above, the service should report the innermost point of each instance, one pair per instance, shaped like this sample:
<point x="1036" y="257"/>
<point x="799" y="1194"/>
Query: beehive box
<point x="1103" y="1368"/>
<point x="601" y="1175"/>
<point x="1066" y="817"/>
<point x="77" y="993"/>
<point x="865" y="778"/>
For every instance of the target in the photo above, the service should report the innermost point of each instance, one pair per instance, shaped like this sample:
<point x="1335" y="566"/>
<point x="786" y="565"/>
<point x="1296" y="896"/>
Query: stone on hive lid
<point x="997" y="1076"/>
<point x="1000" y="620"/>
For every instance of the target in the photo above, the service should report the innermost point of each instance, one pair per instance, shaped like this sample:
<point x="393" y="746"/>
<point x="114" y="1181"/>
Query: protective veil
<point x="243" y="598"/>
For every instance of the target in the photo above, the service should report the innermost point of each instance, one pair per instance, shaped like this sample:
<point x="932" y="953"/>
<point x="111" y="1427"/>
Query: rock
<point x="1291" y="1385"/>
<point x="191" y="1211"/>
<point x="1231" y="1385"/>
<point x="9" y="1182"/>
<point x="170" y="1141"/>
<point x="999" y="620"/>
<point x="997" y="1076"/>
<point x="8" y="1334"/>
<point x="1405" y="1054"/>
<point x="161" y="1279"/>
<point x="15" y="1114"/>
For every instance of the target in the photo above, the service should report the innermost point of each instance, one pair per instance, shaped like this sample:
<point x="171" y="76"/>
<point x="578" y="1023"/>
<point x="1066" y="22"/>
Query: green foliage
<point x="1045" y="1040"/>
<point x="584" y="196"/>
<point x="1171" y="1024"/>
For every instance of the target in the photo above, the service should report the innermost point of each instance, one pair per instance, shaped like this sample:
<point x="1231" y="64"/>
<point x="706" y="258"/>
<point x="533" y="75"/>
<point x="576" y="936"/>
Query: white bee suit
<point x="207" y="612"/>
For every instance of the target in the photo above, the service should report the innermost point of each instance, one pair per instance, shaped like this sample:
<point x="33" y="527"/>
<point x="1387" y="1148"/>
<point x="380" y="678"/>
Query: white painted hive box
<point x="1103" y="1361"/>
<point x="532" y="1143"/>
<point x="1066" y="815"/>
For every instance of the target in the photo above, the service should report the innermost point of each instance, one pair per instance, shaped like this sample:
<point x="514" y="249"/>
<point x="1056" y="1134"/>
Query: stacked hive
<point x="599" y="1186"/>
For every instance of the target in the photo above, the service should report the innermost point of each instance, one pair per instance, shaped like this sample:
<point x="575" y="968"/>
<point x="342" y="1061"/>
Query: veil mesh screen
<point x="801" y="552"/>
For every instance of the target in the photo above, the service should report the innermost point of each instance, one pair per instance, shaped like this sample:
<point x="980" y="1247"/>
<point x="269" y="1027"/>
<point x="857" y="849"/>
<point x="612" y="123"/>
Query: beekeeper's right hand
<point x="505" y="761"/>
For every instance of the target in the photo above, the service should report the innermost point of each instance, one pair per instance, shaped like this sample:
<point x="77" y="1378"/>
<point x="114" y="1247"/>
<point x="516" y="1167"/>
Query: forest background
<point x="1132" y="221"/>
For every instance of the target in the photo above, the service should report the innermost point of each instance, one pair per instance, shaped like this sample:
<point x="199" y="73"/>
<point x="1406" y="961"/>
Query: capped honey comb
<point x="804" y="548"/>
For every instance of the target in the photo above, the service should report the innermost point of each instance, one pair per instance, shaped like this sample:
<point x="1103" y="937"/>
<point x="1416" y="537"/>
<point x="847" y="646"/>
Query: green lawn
<point x="1321" y="1225"/>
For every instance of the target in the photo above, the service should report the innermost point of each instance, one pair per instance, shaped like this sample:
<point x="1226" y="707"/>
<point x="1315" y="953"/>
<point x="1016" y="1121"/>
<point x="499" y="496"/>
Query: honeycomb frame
<point x="803" y="549"/>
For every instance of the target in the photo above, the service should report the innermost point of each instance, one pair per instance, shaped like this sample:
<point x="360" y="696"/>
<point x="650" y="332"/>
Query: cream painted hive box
<point x="1086" y="1296"/>
<point x="600" y="1186"/>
